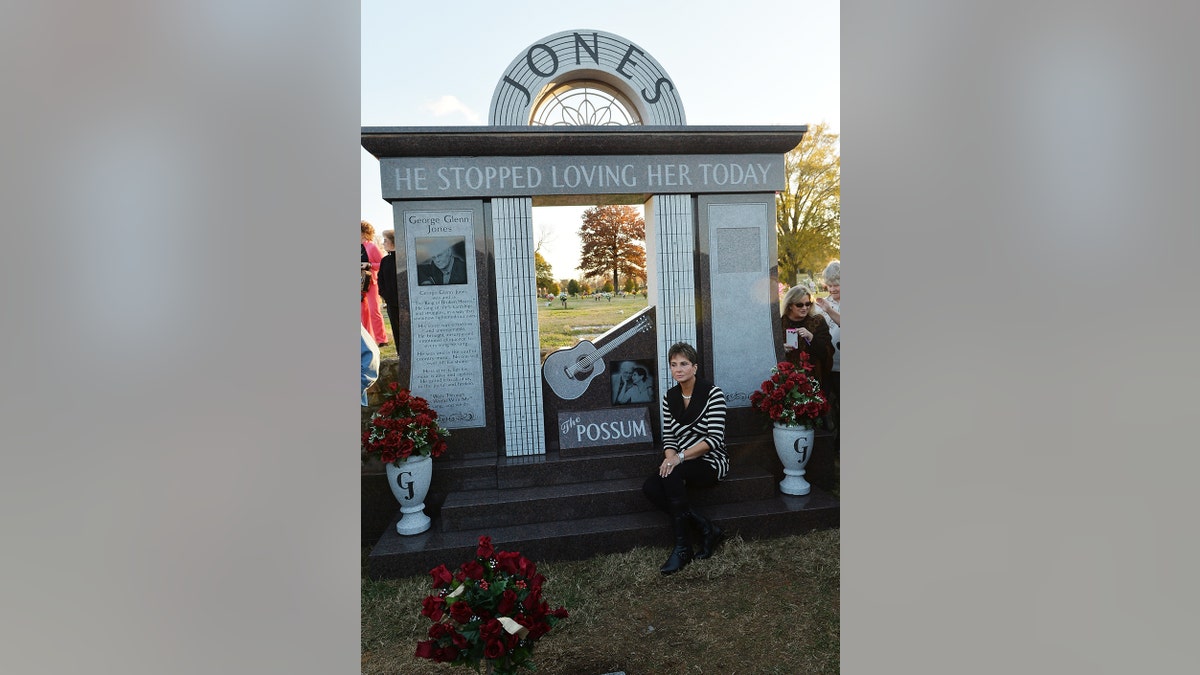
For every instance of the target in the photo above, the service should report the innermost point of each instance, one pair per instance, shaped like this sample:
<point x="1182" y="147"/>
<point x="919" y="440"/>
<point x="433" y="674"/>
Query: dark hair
<point x="641" y="371"/>
<point x="685" y="350"/>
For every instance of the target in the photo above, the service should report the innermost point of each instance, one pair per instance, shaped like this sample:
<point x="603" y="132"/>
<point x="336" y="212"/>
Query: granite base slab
<point x="396" y="556"/>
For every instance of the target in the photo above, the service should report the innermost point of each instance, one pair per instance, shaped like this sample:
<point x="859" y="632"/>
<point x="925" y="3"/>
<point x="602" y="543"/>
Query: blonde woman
<point x="805" y="332"/>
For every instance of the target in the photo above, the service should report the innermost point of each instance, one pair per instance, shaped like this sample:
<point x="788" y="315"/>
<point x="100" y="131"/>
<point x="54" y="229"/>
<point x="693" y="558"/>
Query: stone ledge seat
<point x="396" y="556"/>
<point x="552" y="507"/>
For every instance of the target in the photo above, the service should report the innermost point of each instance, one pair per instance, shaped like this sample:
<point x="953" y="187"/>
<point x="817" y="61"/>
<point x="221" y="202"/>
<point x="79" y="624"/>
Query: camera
<point x="364" y="272"/>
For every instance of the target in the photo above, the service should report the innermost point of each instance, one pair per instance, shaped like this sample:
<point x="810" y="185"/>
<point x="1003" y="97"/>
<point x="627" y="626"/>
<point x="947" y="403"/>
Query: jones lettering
<point x="544" y="61"/>
<point x="532" y="63"/>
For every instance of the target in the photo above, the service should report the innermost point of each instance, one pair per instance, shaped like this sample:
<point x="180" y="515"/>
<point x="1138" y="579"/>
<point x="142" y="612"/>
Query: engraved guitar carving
<point x="570" y="371"/>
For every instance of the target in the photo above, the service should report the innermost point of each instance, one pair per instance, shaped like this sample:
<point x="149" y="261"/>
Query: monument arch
<point x="471" y="347"/>
<point x="577" y="57"/>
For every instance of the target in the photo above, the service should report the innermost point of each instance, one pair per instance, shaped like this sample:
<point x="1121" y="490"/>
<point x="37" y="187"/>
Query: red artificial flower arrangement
<point x="403" y="426"/>
<point x="491" y="608"/>
<point x="791" y="395"/>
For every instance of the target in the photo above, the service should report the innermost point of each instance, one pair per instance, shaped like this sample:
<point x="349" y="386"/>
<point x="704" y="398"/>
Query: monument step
<point x="396" y="556"/>
<point x="554" y="468"/>
<point x="481" y="472"/>
<point x="472" y="509"/>
<point x="606" y="463"/>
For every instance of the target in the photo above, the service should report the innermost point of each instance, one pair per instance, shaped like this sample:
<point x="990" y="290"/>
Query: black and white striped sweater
<point x="702" y="420"/>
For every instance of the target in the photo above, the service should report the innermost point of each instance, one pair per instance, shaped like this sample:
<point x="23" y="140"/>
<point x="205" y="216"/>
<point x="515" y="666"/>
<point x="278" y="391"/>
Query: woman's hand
<point x="668" y="464"/>
<point x="805" y="333"/>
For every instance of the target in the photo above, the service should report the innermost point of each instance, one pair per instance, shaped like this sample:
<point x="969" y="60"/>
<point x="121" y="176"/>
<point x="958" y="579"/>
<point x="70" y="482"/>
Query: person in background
<point x="370" y="362"/>
<point x="693" y="440"/>
<point x="388" y="289"/>
<point x="371" y="313"/>
<point x="832" y="308"/>
<point x="805" y="332"/>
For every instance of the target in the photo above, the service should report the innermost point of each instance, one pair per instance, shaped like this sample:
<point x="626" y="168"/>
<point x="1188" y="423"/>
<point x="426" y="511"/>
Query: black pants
<point x="662" y="491"/>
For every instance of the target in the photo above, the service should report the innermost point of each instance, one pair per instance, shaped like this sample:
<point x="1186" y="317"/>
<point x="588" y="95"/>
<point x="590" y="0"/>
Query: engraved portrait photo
<point x="442" y="261"/>
<point x="632" y="382"/>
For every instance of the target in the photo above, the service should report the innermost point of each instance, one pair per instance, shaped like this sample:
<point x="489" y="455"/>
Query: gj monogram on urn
<point x="410" y="485"/>
<point x="794" y="445"/>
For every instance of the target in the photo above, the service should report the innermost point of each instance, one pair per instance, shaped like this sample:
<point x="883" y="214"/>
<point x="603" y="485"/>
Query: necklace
<point x="685" y="396"/>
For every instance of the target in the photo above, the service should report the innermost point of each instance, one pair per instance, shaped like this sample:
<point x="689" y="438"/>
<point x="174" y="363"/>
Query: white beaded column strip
<point x="517" y="324"/>
<point x="671" y="250"/>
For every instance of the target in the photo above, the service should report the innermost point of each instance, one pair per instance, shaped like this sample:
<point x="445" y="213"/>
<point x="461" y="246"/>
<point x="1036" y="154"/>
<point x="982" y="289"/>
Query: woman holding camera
<point x="806" y="332"/>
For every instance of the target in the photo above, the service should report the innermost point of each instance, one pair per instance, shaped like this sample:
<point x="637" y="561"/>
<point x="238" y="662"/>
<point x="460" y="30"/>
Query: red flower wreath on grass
<point x="490" y="608"/>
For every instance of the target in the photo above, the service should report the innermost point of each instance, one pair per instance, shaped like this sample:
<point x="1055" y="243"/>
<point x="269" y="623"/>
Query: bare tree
<point x="544" y="236"/>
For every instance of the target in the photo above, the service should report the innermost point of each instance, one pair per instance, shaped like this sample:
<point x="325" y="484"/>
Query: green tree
<point x="613" y="241"/>
<point x="573" y="287"/>
<point x="608" y="287"/>
<point x="809" y="213"/>
<point x="543" y="271"/>
<point x="552" y="288"/>
<point x="629" y="285"/>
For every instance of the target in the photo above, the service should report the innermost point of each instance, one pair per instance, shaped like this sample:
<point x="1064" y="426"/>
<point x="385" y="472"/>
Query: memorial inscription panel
<point x="447" y="359"/>
<point x="454" y="177"/>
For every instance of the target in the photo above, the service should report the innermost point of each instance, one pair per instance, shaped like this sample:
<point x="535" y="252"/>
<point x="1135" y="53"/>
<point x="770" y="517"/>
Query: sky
<point x="752" y="62"/>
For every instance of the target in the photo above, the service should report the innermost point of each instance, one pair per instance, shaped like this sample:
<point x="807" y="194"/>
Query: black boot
<point x="710" y="533"/>
<point x="681" y="555"/>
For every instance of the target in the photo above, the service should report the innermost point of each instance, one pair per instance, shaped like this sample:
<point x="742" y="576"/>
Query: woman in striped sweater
<point x="693" y="423"/>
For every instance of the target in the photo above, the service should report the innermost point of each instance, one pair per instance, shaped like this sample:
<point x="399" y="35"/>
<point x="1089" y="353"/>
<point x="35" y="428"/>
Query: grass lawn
<point x="766" y="606"/>
<point x="583" y="318"/>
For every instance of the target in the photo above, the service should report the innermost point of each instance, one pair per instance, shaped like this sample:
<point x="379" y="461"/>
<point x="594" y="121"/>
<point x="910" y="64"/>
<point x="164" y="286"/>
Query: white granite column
<point x="516" y="314"/>
<point x="671" y="254"/>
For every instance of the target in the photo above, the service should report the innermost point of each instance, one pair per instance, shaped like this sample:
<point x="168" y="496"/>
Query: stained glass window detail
<point x="584" y="103"/>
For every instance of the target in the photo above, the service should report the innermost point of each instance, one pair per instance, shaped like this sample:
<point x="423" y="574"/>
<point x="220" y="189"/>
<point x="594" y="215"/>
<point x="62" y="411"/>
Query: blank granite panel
<point x="735" y="233"/>
<point x="739" y="249"/>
